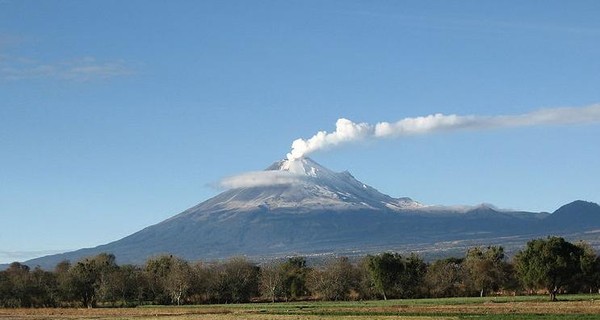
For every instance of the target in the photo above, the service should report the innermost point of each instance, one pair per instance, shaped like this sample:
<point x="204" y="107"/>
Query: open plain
<point x="524" y="307"/>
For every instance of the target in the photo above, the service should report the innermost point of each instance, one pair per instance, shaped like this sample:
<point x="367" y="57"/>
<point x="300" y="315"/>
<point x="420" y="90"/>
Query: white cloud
<point x="79" y="70"/>
<point x="260" y="178"/>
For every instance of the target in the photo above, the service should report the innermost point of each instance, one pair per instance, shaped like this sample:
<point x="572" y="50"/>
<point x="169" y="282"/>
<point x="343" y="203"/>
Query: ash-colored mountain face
<point x="302" y="208"/>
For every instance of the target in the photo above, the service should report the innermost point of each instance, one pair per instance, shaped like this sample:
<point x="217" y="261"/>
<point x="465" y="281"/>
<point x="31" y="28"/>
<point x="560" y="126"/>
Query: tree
<point x="385" y="271"/>
<point x="201" y="277"/>
<point x="271" y="281"/>
<point x="64" y="293"/>
<point x="5" y="289"/>
<point x="295" y="272"/>
<point x="589" y="279"/>
<point x="365" y="286"/>
<point x="170" y="279"/>
<point x="446" y="278"/>
<point x="155" y="271"/>
<point x="413" y="277"/>
<point x="178" y="280"/>
<point x="43" y="288"/>
<point x="335" y="280"/>
<point x="124" y="284"/>
<point x="235" y="280"/>
<point x="391" y="276"/>
<point x="486" y="268"/>
<point x="549" y="264"/>
<point x="15" y="286"/>
<point x="88" y="276"/>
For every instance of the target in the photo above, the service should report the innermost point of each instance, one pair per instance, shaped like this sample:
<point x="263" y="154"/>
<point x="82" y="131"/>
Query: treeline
<point x="550" y="265"/>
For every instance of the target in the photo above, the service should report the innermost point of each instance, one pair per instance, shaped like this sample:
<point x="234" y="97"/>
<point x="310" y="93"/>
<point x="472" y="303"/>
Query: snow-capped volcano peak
<point x="310" y="172"/>
<point x="301" y="166"/>
<point x="303" y="184"/>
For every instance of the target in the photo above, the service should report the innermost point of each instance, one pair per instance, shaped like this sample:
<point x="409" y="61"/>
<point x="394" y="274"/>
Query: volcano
<point x="302" y="185"/>
<point x="298" y="207"/>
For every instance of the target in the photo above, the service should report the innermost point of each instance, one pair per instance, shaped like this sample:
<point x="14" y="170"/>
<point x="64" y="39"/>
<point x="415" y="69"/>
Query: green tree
<point x="43" y="288"/>
<point x="549" y="264"/>
<point x="295" y="272"/>
<point x="124" y="285"/>
<point x="446" y="278"/>
<point x="21" y="287"/>
<point x="413" y="277"/>
<point x="5" y="289"/>
<point x="386" y="272"/>
<point x="365" y="287"/>
<point x="16" y="285"/>
<point x="155" y="271"/>
<point x="235" y="280"/>
<point x="64" y="293"/>
<point x="201" y="277"/>
<point x="88" y="276"/>
<point x="589" y="279"/>
<point x="486" y="268"/>
<point x="170" y="279"/>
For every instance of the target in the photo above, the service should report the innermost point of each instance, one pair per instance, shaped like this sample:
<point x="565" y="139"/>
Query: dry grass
<point x="182" y="314"/>
<point x="563" y="307"/>
<point x="378" y="310"/>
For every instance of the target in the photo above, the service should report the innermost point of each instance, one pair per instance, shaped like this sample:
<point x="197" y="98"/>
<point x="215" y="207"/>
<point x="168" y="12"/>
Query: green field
<point x="522" y="307"/>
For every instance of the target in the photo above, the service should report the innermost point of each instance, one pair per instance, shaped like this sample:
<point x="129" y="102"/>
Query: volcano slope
<point x="302" y="208"/>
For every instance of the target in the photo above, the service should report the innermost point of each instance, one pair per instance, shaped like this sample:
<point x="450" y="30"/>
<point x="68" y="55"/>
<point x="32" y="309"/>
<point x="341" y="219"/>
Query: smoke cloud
<point x="347" y="131"/>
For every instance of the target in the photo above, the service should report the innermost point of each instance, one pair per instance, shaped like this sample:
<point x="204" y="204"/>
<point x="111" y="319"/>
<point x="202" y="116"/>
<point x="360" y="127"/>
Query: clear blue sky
<point x="115" y="115"/>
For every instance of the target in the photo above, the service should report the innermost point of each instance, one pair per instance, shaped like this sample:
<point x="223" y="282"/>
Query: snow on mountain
<point x="302" y="183"/>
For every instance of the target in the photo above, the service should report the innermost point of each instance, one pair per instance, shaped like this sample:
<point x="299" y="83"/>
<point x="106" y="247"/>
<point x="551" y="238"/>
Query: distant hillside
<point x="574" y="216"/>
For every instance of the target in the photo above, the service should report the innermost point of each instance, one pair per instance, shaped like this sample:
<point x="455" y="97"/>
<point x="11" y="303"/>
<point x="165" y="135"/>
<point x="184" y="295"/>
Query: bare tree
<point x="271" y="281"/>
<point x="335" y="280"/>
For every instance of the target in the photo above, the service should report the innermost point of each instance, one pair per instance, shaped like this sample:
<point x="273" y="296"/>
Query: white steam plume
<point x="347" y="131"/>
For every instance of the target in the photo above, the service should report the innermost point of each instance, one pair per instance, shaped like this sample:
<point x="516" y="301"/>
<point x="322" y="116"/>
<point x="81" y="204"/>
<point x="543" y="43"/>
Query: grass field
<point x="530" y="307"/>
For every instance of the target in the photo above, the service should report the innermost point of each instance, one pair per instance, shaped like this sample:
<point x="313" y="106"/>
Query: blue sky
<point x="115" y="115"/>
